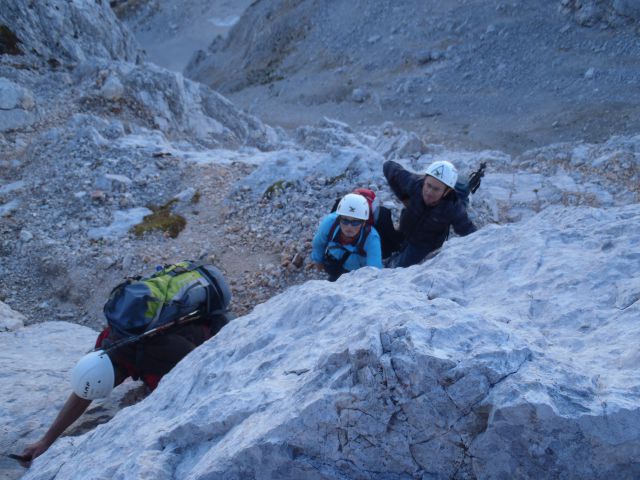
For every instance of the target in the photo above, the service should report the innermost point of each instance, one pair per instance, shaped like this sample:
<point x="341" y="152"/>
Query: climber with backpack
<point x="345" y="241"/>
<point x="433" y="204"/>
<point x="153" y="323"/>
<point x="380" y="218"/>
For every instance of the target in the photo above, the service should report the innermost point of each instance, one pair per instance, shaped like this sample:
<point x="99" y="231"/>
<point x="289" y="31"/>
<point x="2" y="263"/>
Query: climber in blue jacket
<point x="345" y="241"/>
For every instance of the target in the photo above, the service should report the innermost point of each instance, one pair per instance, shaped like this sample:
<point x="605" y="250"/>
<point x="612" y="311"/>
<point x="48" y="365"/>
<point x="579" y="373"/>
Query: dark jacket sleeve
<point x="399" y="179"/>
<point x="461" y="223"/>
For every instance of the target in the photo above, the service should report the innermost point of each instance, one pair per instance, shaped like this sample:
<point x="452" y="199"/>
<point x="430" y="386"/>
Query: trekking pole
<point x="474" y="179"/>
<point x="178" y="321"/>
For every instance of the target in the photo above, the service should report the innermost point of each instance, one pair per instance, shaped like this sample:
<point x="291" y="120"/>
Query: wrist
<point x="47" y="439"/>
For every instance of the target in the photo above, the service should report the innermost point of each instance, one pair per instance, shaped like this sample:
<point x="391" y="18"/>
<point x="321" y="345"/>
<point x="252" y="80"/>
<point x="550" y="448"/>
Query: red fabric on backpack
<point x="150" y="380"/>
<point x="370" y="196"/>
<point x="103" y="334"/>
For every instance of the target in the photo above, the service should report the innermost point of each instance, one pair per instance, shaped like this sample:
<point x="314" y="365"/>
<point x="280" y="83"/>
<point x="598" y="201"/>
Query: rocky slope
<point x="473" y="74"/>
<point x="93" y="139"/>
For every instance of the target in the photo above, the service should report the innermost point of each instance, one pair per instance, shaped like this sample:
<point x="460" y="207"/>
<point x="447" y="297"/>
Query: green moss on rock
<point x="276" y="189"/>
<point x="161" y="219"/>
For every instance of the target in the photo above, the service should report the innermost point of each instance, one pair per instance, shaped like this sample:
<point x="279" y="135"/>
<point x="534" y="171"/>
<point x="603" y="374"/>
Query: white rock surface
<point x="168" y="102"/>
<point x="183" y="106"/>
<point x="9" y="207"/>
<point x="12" y="187"/>
<point x="513" y="352"/>
<point x="36" y="363"/>
<point x="14" y="96"/>
<point x="112" y="89"/>
<point x="10" y="320"/>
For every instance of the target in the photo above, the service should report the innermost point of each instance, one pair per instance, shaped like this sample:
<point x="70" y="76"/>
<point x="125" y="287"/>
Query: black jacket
<point x="421" y="225"/>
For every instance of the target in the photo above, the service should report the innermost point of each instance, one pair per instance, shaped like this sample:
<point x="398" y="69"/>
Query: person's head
<point x="93" y="376"/>
<point x="353" y="212"/>
<point x="440" y="179"/>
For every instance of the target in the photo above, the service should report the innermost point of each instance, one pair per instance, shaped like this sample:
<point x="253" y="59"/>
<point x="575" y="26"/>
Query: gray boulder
<point x="506" y="355"/>
<point x="17" y="107"/>
<point x="10" y="320"/>
<point x="166" y="101"/>
<point x="589" y="13"/>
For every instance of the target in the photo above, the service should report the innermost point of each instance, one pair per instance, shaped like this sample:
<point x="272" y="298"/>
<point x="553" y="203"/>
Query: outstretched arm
<point x="71" y="411"/>
<point x="73" y="408"/>
<point x="399" y="179"/>
<point x="462" y="224"/>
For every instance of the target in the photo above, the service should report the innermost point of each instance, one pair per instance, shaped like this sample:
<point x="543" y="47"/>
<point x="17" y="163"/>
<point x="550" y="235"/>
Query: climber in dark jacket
<point x="431" y="207"/>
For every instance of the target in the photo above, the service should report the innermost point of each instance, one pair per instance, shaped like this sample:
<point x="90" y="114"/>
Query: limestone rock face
<point x="511" y="353"/>
<point x="178" y="106"/>
<point x="16" y="106"/>
<point x="79" y="52"/>
<point x="61" y="31"/>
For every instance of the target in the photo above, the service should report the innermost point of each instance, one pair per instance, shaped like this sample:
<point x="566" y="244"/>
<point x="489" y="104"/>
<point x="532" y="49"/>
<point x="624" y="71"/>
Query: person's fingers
<point x="25" y="458"/>
<point x="30" y="453"/>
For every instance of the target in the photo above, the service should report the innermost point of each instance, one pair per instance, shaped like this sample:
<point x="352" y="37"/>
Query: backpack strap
<point x="363" y="238"/>
<point x="339" y="264"/>
<point x="334" y="227"/>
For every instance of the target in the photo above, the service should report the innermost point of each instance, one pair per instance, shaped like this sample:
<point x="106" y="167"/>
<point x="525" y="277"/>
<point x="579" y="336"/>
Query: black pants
<point x="390" y="239"/>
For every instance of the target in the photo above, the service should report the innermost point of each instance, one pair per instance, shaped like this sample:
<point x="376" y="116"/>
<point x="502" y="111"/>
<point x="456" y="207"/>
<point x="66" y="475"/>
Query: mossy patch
<point x="161" y="219"/>
<point x="276" y="189"/>
<point x="336" y="179"/>
<point x="9" y="42"/>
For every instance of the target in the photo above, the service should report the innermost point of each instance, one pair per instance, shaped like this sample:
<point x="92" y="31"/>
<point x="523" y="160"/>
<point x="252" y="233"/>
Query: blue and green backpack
<point x="141" y="304"/>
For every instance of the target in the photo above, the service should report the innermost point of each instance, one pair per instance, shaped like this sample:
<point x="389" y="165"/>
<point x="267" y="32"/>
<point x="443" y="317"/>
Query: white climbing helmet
<point x="444" y="171"/>
<point x="353" y="205"/>
<point x="93" y="376"/>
